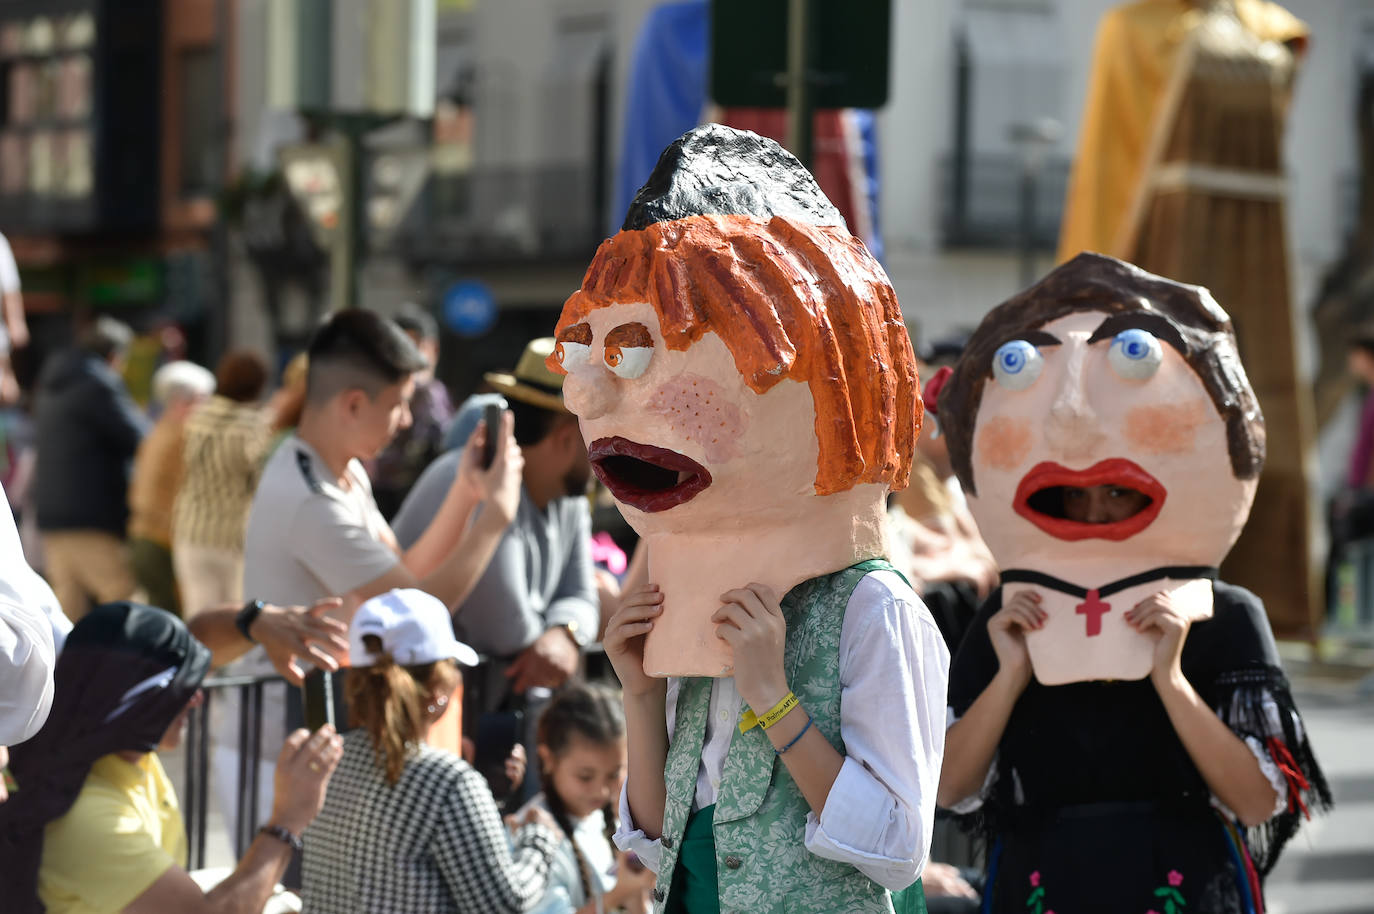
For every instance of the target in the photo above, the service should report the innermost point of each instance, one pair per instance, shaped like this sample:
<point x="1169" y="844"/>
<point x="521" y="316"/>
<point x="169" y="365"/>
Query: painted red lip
<point x="1114" y="472"/>
<point x="646" y="477"/>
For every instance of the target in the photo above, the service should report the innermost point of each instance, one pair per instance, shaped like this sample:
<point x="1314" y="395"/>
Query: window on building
<point x="1009" y="82"/>
<point x="571" y="198"/>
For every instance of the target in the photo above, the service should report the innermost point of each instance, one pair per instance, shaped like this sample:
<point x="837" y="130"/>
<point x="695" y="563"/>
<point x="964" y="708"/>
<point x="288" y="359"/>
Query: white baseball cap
<point x="415" y="628"/>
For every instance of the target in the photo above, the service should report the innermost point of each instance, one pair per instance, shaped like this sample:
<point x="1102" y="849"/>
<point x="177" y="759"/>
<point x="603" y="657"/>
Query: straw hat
<point x="532" y="382"/>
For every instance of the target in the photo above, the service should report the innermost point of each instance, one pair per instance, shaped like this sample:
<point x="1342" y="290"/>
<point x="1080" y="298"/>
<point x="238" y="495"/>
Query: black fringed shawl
<point x="126" y="672"/>
<point x="1094" y="742"/>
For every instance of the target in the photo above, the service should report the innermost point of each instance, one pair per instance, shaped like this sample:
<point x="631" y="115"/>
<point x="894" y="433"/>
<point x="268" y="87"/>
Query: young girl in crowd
<point x="407" y="827"/>
<point x="581" y="744"/>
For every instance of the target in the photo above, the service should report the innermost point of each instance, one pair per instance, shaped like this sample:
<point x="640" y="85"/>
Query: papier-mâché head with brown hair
<point x="1104" y="374"/>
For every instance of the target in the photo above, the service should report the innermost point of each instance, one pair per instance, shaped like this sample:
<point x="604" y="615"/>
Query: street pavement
<point x="1328" y="868"/>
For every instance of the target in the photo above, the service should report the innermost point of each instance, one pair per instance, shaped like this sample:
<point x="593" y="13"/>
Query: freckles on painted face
<point x="1095" y="429"/>
<point x="678" y="430"/>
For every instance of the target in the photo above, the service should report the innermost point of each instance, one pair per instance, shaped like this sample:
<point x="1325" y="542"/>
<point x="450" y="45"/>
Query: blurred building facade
<point x="506" y="190"/>
<point x="113" y="145"/>
<point x="531" y="95"/>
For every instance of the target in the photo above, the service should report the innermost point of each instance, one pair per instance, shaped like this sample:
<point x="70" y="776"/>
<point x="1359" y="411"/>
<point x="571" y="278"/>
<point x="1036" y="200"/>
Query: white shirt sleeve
<point x="894" y="673"/>
<point x="21" y="584"/>
<point x="9" y="270"/>
<point x="27" y="658"/>
<point x="629" y="837"/>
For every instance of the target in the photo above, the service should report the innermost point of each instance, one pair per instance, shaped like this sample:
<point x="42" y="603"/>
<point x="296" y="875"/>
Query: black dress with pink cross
<point x="1096" y="806"/>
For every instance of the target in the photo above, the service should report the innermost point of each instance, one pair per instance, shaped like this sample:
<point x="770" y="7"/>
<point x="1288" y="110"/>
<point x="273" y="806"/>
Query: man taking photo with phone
<point x="314" y="530"/>
<point x="535" y="606"/>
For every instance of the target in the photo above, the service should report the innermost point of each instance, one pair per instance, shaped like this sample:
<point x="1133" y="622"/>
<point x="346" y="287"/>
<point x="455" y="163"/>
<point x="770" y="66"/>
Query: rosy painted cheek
<point x="697" y="408"/>
<point x="1165" y="429"/>
<point x="1003" y="442"/>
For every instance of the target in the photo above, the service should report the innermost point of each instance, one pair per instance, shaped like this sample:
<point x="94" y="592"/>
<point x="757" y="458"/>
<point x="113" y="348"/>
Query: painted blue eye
<point x="1135" y="354"/>
<point x="1016" y="364"/>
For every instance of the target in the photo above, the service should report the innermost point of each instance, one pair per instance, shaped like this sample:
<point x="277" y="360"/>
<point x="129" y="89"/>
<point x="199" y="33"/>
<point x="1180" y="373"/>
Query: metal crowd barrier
<point x="196" y="806"/>
<point x="217" y="688"/>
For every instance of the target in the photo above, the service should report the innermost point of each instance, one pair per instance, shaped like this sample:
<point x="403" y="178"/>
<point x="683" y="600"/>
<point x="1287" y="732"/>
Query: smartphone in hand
<point x="491" y="417"/>
<point x="319" y="700"/>
<point x="497" y="734"/>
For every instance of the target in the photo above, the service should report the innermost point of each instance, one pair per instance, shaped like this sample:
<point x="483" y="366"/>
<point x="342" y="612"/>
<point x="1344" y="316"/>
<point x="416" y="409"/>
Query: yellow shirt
<point x="123" y="832"/>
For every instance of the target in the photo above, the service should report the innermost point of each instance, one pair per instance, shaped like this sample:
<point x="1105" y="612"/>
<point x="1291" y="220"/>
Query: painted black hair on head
<point x="357" y="348"/>
<point x="719" y="171"/>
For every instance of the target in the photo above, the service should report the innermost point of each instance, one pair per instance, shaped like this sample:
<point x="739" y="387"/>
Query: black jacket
<point x="88" y="430"/>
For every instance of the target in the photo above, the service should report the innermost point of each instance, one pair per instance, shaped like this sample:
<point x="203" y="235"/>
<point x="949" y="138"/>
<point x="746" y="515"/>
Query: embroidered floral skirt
<point x="1122" y="858"/>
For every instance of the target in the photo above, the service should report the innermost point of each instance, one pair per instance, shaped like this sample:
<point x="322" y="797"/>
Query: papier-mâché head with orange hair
<point x="738" y="361"/>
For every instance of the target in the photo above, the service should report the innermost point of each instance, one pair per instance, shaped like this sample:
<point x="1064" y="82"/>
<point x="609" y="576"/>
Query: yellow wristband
<point x="774" y="714"/>
<point x="779" y="711"/>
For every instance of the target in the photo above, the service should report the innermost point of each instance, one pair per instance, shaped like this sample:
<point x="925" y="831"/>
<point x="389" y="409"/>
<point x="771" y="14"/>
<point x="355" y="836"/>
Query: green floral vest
<point x="762" y="863"/>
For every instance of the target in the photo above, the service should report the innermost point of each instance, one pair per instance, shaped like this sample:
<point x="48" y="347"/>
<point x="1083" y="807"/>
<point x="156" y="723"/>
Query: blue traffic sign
<point x="468" y="308"/>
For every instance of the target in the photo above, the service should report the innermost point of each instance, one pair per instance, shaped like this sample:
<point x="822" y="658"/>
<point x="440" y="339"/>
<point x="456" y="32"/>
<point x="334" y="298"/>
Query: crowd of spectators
<point x="441" y="570"/>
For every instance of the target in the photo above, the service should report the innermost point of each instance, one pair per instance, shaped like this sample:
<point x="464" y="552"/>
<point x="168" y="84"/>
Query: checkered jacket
<point x="433" y="843"/>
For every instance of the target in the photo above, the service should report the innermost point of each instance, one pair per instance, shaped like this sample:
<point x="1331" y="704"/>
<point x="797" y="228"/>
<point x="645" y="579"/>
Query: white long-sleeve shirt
<point x="32" y="629"/>
<point x="21" y="584"/>
<point x="27" y="658"/>
<point x="880" y="813"/>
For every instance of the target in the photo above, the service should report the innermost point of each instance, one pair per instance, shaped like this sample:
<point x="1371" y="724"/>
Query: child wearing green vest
<point x="826" y="809"/>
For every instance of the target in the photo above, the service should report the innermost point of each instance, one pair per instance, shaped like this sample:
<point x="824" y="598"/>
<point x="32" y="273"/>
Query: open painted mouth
<point x="1040" y="498"/>
<point x="646" y="477"/>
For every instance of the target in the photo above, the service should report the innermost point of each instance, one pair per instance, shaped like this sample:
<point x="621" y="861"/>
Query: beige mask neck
<point x="693" y="569"/>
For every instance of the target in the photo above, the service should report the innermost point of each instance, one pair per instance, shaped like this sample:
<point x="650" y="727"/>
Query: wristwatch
<point x="247" y="616"/>
<point x="572" y="627"/>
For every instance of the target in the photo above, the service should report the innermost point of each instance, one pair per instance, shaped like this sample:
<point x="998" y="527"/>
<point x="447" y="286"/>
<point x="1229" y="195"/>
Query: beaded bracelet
<point x="793" y="742"/>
